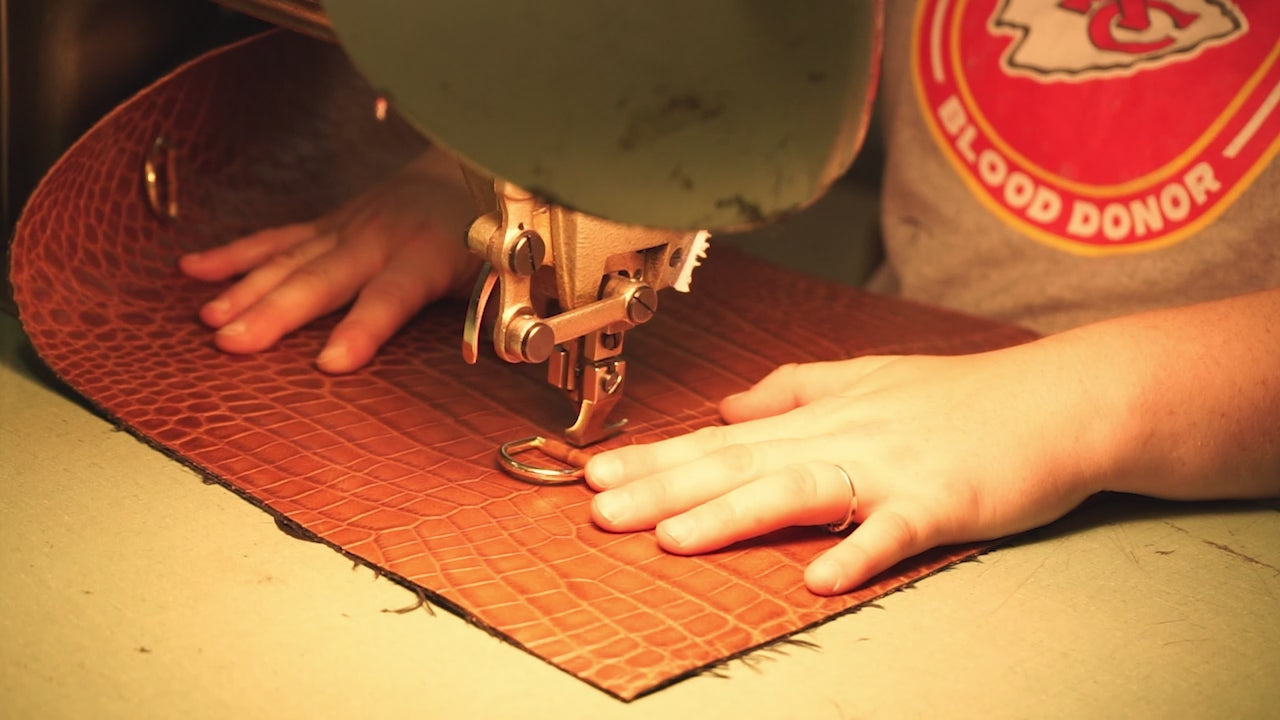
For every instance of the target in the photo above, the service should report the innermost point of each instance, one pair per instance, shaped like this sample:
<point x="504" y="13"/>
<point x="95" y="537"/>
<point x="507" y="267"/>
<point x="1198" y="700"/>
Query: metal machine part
<point x="685" y="115"/>
<point x="569" y="286"/>
<point x="573" y="459"/>
<point x="680" y="116"/>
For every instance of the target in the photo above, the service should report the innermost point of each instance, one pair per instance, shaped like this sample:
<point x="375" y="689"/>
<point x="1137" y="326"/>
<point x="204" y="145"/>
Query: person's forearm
<point x="1189" y="398"/>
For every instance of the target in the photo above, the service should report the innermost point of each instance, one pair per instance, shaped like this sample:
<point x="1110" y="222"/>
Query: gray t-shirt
<point x="1055" y="162"/>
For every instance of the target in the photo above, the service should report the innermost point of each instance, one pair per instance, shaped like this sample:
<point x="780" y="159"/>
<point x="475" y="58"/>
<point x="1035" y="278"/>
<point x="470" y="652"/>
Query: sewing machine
<point x="603" y="142"/>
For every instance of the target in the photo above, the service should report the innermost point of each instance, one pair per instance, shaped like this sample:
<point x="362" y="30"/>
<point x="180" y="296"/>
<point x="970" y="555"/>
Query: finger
<point x="385" y="304"/>
<point x="627" y="464"/>
<point x="232" y="302"/>
<point x="885" y="538"/>
<point x="316" y="288"/>
<point x="240" y="256"/>
<point x="794" y="385"/>
<point x="810" y="493"/>
<point x="641" y="504"/>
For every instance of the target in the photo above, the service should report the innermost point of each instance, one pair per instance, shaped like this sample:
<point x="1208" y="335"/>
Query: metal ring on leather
<point x="537" y="474"/>
<point x="837" y="527"/>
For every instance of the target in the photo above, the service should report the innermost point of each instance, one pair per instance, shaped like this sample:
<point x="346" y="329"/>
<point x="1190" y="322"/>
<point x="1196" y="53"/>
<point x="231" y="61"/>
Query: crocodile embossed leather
<point x="394" y="465"/>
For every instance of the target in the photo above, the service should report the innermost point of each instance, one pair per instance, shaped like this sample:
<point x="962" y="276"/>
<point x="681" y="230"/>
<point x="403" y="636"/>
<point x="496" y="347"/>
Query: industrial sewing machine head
<point x="569" y="286"/>
<point x="603" y="139"/>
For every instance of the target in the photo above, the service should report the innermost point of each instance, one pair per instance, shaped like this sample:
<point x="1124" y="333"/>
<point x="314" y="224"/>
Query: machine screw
<point x="527" y="253"/>
<point x="610" y="381"/>
<point x="677" y="257"/>
<point x="610" y="341"/>
<point x="537" y="343"/>
<point x="642" y="305"/>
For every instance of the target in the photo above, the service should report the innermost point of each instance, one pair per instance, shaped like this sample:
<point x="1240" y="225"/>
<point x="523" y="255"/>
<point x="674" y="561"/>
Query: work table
<point x="134" y="589"/>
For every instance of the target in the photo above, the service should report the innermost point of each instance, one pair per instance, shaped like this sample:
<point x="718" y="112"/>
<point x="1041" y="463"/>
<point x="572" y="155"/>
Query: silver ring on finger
<point x="842" y="525"/>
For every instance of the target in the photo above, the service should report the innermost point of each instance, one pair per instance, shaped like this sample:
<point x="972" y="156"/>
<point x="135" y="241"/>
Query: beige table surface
<point x="130" y="589"/>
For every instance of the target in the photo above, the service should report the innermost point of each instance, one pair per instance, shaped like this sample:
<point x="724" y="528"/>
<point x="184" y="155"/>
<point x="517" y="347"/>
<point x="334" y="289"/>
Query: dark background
<point x="66" y="63"/>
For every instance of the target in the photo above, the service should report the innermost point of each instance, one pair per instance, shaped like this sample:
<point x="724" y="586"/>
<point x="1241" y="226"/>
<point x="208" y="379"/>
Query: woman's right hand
<point x="392" y="249"/>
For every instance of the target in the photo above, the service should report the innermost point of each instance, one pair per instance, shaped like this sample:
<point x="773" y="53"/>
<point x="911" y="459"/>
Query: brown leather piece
<point x="395" y="464"/>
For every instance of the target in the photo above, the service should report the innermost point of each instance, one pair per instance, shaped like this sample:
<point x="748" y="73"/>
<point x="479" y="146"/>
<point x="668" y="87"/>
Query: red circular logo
<point x="1102" y="125"/>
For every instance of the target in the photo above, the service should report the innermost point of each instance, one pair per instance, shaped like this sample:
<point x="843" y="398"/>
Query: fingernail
<point x="334" y="355"/>
<point x="824" y="576"/>
<point x="678" y="530"/>
<point x="612" y="506"/>
<point x="218" y="307"/>
<point x="233" y="329"/>
<point x="604" y="471"/>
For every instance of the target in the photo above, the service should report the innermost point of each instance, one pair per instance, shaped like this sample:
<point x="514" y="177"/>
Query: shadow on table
<point x="18" y="355"/>
<point x="1114" y="508"/>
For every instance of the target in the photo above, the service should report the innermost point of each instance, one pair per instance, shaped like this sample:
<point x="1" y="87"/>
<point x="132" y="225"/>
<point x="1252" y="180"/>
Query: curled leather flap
<point x="395" y="464"/>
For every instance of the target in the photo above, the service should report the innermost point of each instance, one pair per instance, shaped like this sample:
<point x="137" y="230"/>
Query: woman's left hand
<point x="938" y="450"/>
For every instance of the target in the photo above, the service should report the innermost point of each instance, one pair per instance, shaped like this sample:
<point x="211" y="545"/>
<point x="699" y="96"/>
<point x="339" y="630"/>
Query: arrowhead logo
<point x="1073" y="39"/>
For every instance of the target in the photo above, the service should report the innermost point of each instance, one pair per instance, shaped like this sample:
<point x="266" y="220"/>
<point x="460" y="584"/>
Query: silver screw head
<point x="527" y="253"/>
<point x="610" y="382"/>
<point x="642" y="305"/>
<point x="538" y="342"/>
